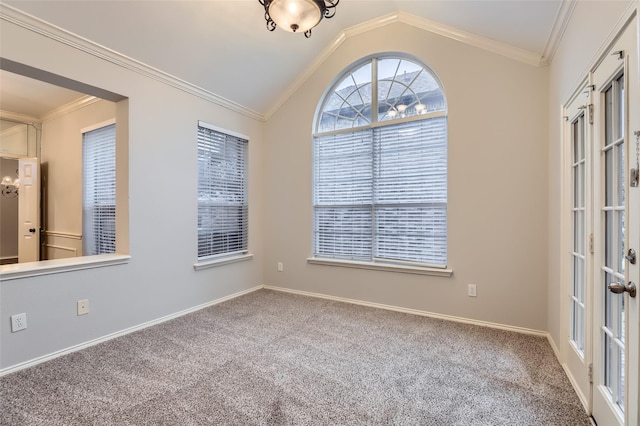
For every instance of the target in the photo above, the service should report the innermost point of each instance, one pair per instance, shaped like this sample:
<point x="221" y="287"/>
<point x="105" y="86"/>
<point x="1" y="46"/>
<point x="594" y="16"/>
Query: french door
<point x="578" y="134"/>
<point x="603" y="329"/>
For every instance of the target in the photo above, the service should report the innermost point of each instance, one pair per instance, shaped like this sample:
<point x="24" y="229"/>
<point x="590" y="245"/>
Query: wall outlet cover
<point x="18" y="322"/>
<point x="83" y="307"/>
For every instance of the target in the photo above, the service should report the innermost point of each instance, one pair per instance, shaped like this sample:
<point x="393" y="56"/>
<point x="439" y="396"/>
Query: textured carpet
<point x="276" y="358"/>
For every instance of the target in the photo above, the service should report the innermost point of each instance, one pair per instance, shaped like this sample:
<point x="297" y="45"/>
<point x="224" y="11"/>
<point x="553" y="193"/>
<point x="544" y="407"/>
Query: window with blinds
<point x="99" y="191"/>
<point x="380" y="189"/>
<point x="222" y="193"/>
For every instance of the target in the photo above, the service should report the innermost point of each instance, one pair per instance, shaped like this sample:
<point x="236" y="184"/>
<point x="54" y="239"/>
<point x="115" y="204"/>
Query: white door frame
<point x="577" y="362"/>
<point x="578" y="373"/>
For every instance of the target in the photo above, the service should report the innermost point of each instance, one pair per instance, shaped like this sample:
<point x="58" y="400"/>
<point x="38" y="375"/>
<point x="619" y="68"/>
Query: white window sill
<point x="420" y="270"/>
<point x="224" y="261"/>
<point x="46" y="267"/>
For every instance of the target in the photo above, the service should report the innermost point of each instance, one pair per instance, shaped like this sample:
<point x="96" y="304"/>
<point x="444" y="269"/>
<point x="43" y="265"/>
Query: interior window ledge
<point x="223" y="261"/>
<point x="46" y="267"/>
<point x="420" y="270"/>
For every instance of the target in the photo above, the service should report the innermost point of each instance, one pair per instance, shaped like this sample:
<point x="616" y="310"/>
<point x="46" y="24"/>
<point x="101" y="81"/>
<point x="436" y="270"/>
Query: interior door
<point x="578" y="130"/>
<point x="616" y="222"/>
<point x="29" y="210"/>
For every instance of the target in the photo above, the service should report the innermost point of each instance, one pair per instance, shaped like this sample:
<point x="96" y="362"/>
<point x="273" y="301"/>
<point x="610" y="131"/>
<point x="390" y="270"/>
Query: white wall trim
<point x="81" y="102"/>
<point x="471" y="39"/>
<point x="59" y="247"/>
<point x="69" y="235"/>
<point x="16" y="271"/>
<point x="583" y="399"/>
<point x="506" y="327"/>
<point x="556" y="351"/>
<point x="36" y="25"/>
<point x="212" y="263"/>
<point x="386" y="267"/>
<point x="557" y="32"/>
<point x="16" y="116"/>
<point x="75" y="348"/>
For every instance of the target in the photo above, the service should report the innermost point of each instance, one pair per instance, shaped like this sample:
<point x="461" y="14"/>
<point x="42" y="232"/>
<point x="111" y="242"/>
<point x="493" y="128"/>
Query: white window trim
<point x="374" y="124"/>
<point x="97" y="126"/>
<point x="224" y="258"/>
<point x="212" y="263"/>
<point x="388" y="267"/>
<point x="47" y="267"/>
<point x="222" y="130"/>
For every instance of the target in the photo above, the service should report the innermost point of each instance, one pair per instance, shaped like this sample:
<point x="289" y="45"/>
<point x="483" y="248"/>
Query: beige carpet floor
<point x="270" y="358"/>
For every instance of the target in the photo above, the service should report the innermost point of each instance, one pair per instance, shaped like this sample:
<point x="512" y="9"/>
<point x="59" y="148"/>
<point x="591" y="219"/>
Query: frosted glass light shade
<point x="295" y="15"/>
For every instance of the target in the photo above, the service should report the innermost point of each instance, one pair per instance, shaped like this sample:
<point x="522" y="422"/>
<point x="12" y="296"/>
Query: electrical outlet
<point x="83" y="307"/>
<point x="471" y="290"/>
<point x="280" y="267"/>
<point x="18" y="322"/>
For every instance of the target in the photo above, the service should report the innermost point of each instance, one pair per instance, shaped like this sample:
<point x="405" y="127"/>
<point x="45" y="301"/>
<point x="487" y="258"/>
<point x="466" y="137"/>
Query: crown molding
<point x="53" y="32"/>
<point x="557" y="32"/>
<point x="81" y="102"/>
<point x="16" y="116"/>
<point x="36" y="25"/>
<point x="471" y="39"/>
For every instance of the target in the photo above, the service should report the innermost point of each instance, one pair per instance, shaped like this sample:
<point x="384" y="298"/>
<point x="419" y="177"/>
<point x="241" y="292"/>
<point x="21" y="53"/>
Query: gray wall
<point x="159" y="279"/>
<point x="497" y="211"/>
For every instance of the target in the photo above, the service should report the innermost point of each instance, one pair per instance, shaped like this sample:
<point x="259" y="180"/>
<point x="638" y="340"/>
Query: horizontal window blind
<point x="99" y="191"/>
<point x="222" y="194"/>
<point x="381" y="194"/>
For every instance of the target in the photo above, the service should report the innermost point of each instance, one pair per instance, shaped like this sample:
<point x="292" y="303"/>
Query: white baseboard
<point x="90" y="343"/>
<point x="414" y="311"/>
<point x="556" y="351"/>
<point x="582" y="397"/>
<point x="75" y="348"/>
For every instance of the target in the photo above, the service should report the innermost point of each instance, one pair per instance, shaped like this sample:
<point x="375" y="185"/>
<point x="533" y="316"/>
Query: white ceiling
<point x="224" y="47"/>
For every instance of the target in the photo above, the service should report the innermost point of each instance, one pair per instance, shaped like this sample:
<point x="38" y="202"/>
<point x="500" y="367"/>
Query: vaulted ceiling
<point x="224" y="47"/>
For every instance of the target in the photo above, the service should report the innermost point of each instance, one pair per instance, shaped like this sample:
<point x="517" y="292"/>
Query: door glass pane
<point x="579" y="237"/>
<point x="613" y="331"/>
<point x="608" y="114"/>
<point x="608" y="179"/>
<point x="621" y="367"/>
<point x="620" y="107"/>
<point x="581" y="232"/>
<point x="608" y="249"/>
<point x="607" y="361"/>
<point x="621" y="243"/>
<point x="608" y="316"/>
<point x="620" y="176"/>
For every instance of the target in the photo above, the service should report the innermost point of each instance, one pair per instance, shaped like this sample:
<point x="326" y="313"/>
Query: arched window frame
<point x="373" y="122"/>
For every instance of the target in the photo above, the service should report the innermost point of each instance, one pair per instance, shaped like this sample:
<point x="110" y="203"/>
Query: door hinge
<point x="591" y="243"/>
<point x="590" y="106"/>
<point x="590" y="373"/>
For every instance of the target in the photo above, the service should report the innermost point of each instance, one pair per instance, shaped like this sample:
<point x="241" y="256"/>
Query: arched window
<point x="380" y="165"/>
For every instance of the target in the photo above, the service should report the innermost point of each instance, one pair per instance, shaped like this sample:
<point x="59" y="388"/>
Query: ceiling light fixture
<point x="297" y="15"/>
<point x="9" y="187"/>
